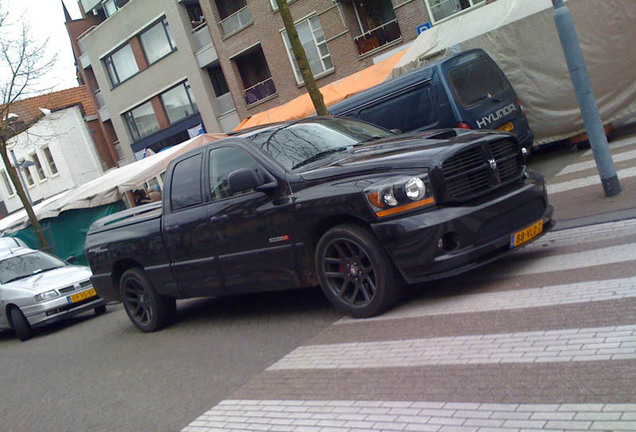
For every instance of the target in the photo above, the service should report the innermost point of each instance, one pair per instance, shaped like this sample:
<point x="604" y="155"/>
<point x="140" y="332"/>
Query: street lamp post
<point x="585" y="96"/>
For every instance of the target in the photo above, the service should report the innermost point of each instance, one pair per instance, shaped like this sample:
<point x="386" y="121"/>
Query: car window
<point x="186" y="183"/>
<point x="224" y="161"/>
<point x="21" y="266"/>
<point x="292" y="146"/>
<point x="406" y="111"/>
<point x="477" y="81"/>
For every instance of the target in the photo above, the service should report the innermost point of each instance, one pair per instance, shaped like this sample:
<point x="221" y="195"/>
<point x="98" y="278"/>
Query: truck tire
<point x="355" y="272"/>
<point x="20" y="324"/>
<point x="148" y="310"/>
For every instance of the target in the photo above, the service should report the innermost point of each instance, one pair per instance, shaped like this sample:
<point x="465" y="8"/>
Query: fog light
<point x="448" y="242"/>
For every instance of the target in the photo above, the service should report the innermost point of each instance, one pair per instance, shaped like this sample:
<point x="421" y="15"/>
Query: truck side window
<point x="186" y="183"/>
<point x="392" y="114"/>
<point x="223" y="161"/>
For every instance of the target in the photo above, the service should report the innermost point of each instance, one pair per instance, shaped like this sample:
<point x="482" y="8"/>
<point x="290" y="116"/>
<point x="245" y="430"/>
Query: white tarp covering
<point x="521" y="36"/>
<point x="107" y="188"/>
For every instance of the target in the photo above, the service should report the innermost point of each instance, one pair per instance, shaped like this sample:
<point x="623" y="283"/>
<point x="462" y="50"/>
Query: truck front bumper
<point x="451" y="240"/>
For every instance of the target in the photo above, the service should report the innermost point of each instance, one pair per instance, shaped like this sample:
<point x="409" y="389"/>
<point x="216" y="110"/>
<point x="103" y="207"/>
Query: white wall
<point x="67" y="135"/>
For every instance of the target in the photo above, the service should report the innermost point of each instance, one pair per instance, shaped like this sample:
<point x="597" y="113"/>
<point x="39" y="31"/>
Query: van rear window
<point x="477" y="81"/>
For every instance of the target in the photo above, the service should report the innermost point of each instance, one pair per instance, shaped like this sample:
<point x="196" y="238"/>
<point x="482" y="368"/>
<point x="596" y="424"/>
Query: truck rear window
<point x="477" y="81"/>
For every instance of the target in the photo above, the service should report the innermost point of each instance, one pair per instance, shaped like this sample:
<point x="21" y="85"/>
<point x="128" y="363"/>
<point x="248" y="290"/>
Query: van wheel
<point x="20" y="324"/>
<point x="355" y="272"/>
<point x="148" y="310"/>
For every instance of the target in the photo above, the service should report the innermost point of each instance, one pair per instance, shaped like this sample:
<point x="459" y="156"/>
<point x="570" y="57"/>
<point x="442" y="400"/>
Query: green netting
<point x="66" y="233"/>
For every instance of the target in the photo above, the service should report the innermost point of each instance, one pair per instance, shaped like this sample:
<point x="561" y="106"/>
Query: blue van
<point x="467" y="91"/>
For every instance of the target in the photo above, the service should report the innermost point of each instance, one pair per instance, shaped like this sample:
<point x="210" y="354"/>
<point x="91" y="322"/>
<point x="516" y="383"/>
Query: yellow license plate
<point x="76" y="298"/>
<point x="526" y="234"/>
<point x="506" y="127"/>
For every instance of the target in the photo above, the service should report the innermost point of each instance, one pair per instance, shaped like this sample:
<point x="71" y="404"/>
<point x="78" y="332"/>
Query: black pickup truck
<point x="330" y="201"/>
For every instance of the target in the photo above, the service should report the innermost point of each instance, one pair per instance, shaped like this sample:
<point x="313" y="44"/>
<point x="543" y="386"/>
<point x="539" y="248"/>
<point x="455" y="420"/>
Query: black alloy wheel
<point x="355" y="273"/>
<point x="146" y="309"/>
<point x="20" y="324"/>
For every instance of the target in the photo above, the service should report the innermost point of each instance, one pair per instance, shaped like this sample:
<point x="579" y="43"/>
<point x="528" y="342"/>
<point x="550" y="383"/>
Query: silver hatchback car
<point x="37" y="289"/>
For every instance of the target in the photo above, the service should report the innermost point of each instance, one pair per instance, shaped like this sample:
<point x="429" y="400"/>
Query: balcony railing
<point x="378" y="37"/>
<point x="201" y="36"/>
<point x="226" y="103"/>
<point x="235" y="22"/>
<point x="260" y="91"/>
<point x="100" y="99"/>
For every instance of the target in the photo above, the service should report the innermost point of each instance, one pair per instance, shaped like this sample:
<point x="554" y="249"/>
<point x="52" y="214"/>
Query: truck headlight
<point x="397" y="194"/>
<point x="48" y="295"/>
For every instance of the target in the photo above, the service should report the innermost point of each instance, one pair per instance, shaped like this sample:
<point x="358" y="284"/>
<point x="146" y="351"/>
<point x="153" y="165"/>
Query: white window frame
<point x="8" y="185"/>
<point x="38" y="163"/>
<point x="290" y="53"/>
<point x="430" y="3"/>
<point x="29" y="179"/>
<point x="50" y="163"/>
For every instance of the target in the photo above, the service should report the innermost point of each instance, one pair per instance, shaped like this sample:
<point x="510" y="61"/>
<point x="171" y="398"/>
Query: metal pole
<point x="18" y="168"/>
<point x="585" y="96"/>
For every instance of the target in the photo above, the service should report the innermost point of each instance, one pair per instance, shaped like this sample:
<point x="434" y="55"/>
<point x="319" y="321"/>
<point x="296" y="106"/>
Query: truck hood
<point x="53" y="279"/>
<point x="418" y="151"/>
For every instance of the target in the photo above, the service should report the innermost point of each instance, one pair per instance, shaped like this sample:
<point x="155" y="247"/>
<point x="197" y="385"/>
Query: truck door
<point x="190" y="247"/>
<point x="251" y="230"/>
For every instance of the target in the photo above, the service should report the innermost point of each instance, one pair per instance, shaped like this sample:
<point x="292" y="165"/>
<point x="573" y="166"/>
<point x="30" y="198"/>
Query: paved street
<point x="544" y="339"/>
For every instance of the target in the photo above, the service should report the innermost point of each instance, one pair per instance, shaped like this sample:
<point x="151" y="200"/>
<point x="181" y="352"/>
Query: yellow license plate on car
<point x="526" y="234"/>
<point x="76" y="298"/>
<point x="506" y="127"/>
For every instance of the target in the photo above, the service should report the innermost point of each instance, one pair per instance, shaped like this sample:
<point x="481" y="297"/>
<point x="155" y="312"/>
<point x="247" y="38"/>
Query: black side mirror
<point x="71" y="259"/>
<point x="245" y="179"/>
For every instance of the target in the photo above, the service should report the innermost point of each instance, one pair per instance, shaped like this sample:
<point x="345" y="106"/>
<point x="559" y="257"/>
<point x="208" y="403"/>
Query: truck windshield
<point x="306" y="143"/>
<point x="21" y="266"/>
<point x="477" y="81"/>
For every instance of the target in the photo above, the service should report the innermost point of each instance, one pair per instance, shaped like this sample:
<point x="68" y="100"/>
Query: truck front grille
<point x="479" y="169"/>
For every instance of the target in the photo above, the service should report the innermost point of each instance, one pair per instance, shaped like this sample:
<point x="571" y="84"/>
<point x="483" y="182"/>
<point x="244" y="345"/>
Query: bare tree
<point x="23" y="63"/>
<point x="301" y="59"/>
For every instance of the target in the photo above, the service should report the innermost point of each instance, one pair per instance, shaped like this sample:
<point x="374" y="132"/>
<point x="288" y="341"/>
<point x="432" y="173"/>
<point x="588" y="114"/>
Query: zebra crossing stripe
<point x="366" y="416"/>
<point x="582" y="166"/>
<point x="571" y="261"/>
<point x="554" y="188"/>
<point x="571" y="345"/>
<point x="600" y="290"/>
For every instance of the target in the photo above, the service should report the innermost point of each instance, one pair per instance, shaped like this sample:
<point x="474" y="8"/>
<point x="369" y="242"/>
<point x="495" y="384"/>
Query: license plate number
<point x="526" y="234"/>
<point x="506" y="127"/>
<point x="76" y="298"/>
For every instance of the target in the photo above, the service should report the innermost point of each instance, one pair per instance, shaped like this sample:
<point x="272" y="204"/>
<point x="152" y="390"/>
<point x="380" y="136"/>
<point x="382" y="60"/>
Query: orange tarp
<point x="331" y="93"/>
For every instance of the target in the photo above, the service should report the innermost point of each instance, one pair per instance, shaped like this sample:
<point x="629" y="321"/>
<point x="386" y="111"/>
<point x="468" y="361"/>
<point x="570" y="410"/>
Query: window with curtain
<point x="313" y="41"/>
<point x="121" y="65"/>
<point x="178" y="102"/>
<point x="49" y="160"/>
<point x="157" y="41"/>
<point x="141" y="121"/>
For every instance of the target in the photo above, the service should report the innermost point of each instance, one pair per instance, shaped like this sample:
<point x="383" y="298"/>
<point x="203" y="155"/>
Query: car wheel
<point x="20" y="324"/>
<point x="148" y="310"/>
<point x="100" y="310"/>
<point x="355" y="272"/>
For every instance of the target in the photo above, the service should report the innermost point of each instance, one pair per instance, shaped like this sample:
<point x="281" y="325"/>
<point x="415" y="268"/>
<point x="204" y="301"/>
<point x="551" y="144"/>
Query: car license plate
<point x="76" y="298"/>
<point x="526" y="234"/>
<point x="506" y="127"/>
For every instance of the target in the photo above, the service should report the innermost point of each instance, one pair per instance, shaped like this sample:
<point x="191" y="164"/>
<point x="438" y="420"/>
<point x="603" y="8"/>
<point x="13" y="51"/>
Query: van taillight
<point x="463" y="125"/>
<point x="521" y="106"/>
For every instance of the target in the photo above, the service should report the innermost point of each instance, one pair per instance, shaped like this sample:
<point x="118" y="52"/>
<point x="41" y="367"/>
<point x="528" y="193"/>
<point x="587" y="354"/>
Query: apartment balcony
<point x="236" y="22"/>
<point x="204" y="49"/>
<point x="260" y="92"/>
<point x="226" y="103"/>
<point x="378" y="37"/>
<point x="84" y="59"/>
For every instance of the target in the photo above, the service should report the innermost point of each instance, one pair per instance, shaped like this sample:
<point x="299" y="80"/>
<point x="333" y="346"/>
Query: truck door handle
<point x="221" y="218"/>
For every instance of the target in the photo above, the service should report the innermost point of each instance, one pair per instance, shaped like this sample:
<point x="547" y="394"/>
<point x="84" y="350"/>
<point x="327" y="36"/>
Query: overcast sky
<point x="46" y="19"/>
